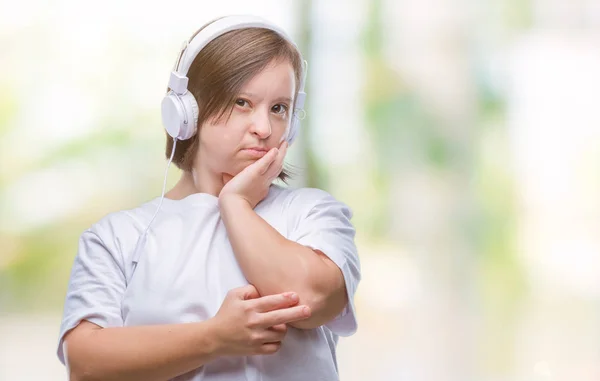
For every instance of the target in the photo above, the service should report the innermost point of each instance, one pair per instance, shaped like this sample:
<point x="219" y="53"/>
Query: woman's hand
<point x="252" y="183"/>
<point x="248" y="324"/>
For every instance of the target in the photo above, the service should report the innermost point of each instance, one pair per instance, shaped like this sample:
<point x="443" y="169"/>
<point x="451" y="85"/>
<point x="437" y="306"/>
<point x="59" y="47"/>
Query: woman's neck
<point x="197" y="181"/>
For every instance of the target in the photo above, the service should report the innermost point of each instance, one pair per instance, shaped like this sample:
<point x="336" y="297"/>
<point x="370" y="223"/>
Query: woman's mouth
<point x="255" y="152"/>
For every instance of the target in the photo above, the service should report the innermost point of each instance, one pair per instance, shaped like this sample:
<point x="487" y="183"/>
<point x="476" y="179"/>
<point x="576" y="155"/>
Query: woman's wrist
<point x="232" y="205"/>
<point x="209" y="340"/>
<point x="231" y="200"/>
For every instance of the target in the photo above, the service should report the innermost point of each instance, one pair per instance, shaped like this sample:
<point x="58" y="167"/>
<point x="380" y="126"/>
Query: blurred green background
<point x="465" y="136"/>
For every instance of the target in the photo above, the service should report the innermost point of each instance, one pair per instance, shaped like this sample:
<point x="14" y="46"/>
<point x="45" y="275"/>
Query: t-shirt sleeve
<point x="327" y="228"/>
<point x="95" y="289"/>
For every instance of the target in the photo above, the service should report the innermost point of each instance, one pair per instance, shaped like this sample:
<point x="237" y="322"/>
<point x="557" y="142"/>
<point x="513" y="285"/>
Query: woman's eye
<point x="241" y="102"/>
<point x="279" y="108"/>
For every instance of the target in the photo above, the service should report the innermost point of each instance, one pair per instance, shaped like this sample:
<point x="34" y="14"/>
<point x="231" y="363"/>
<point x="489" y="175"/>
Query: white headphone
<point x="179" y="107"/>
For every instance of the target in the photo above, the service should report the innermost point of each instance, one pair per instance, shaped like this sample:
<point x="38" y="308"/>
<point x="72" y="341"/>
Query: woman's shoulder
<point x="121" y="228"/>
<point x="300" y="199"/>
<point x="311" y="209"/>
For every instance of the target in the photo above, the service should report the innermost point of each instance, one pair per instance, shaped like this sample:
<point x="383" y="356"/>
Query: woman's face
<point x="258" y="122"/>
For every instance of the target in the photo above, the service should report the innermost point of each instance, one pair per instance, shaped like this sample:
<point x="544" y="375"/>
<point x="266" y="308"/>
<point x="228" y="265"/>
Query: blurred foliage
<point x="315" y="173"/>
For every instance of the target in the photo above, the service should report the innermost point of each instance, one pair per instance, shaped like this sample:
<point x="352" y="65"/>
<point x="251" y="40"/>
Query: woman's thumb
<point x="248" y="292"/>
<point x="266" y="160"/>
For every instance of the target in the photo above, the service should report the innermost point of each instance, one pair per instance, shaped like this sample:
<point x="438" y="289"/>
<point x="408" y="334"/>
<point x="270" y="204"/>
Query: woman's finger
<point x="264" y="163"/>
<point x="273" y="302"/>
<point x="268" y="175"/>
<point x="277" y="165"/>
<point x="270" y="348"/>
<point x="279" y="328"/>
<point x="284" y="316"/>
<point x="283" y="149"/>
<point x="270" y="336"/>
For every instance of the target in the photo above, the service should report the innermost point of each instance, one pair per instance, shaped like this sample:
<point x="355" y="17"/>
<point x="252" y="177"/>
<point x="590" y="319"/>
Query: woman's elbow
<point x="324" y="307"/>
<point x="77" y="370"/>
<point x="78" y="376"/>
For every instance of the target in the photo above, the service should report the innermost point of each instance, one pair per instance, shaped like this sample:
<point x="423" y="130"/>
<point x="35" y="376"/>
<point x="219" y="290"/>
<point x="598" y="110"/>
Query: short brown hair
<point x="220" y="70"/>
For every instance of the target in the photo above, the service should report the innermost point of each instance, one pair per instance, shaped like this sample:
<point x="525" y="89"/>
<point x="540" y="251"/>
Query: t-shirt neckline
<point x="194" y="199"/>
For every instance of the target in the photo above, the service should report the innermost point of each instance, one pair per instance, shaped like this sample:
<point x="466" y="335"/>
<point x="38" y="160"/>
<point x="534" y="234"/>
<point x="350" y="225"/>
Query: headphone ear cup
<point x="179" y="115"/>
<point x="172" y="114"/>
<point x="191" y="109"/>
<point x="294" y="127"/>
<point x="297" y="116"/>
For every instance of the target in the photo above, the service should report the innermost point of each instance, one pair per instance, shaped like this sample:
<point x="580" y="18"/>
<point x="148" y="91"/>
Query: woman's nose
<point x="261" y="125"/>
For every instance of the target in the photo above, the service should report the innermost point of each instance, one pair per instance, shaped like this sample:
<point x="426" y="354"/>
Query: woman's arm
<point x="148" y="353"/>
<point x="274" y="264"/>
<point x="246" y="324"/>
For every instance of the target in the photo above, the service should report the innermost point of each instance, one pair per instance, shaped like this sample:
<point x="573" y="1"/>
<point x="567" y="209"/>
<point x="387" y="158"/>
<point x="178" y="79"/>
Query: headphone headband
<point x="178" y="80"/>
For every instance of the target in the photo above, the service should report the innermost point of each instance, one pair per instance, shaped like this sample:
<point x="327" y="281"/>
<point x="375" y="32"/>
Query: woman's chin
<point x="243" y="163"/>
<point x="240" y="166"/>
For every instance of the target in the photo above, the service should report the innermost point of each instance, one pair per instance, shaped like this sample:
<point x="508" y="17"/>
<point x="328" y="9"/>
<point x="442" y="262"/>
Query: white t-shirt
<point x="187" y="266"/>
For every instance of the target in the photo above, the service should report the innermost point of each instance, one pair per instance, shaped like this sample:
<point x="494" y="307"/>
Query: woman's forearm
<point x="274" y="264"/>
<point x="155" y="352"/>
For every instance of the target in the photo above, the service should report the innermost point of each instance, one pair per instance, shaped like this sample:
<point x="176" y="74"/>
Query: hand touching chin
<point x="252" y="183"/>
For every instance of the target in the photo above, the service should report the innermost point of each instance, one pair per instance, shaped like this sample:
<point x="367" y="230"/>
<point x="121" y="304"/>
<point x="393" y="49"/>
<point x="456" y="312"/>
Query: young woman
<point x="226" y="277"/>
